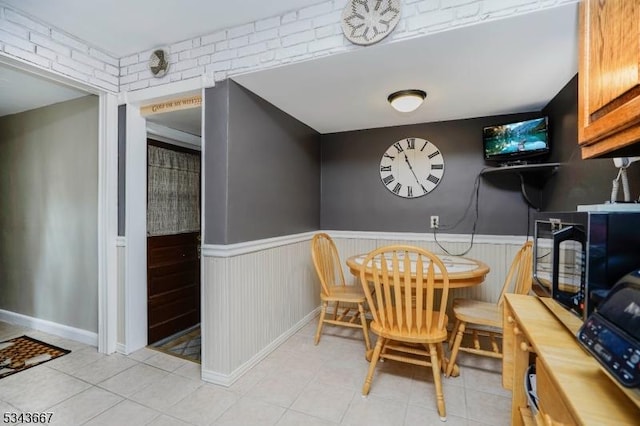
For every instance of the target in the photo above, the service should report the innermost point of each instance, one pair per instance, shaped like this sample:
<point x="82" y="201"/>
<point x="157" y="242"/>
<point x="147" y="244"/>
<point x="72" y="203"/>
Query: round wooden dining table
<point x="462" y="271"/>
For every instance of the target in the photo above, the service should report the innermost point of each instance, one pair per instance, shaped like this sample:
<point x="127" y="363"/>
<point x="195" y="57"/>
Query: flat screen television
<point x="516" y="143"/>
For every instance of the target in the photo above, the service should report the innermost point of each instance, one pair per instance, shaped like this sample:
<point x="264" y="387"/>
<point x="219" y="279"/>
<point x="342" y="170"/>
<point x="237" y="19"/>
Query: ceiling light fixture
<point x="407" y="100"/>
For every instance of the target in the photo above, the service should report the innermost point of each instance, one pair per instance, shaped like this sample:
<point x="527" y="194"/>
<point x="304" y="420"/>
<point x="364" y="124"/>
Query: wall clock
<point x="369" y="21"/>
<point x="411" y="167"/>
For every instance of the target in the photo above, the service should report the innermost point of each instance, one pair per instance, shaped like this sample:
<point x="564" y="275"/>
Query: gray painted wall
<point x="271" y="179"/>
<point x="353" y="198"/>
<point x="49" y="213"/>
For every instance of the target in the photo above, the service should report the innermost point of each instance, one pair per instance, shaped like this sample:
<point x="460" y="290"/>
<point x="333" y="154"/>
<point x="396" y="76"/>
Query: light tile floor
<point x="297" y="384"/>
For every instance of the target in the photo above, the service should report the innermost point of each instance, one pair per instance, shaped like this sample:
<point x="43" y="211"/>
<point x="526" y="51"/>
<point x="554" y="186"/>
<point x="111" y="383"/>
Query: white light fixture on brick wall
<point x="407" y="100"/>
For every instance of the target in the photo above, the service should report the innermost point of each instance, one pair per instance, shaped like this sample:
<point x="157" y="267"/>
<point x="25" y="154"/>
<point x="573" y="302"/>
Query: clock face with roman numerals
<point x="411" y="167"/>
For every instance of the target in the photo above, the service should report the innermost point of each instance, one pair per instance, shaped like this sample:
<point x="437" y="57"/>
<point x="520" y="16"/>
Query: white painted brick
<point x="494" y="6"/>
<point x="267" y="56"/>
<point x="223" y="45"/>
<point x="104" y="84"/>
<point x="142" y="66"/>
<point x="14" y="29"/>
<point x="139" y="85"/>
<point x="175" y="77"/>
<point x="295" y="27"/>
<point x="298" y="38"/>
<point x="27" y="56"/>
<point x="458" y="3"/>
<point x="329" y="18"/>
<point x="129" y="60"/>
<point x="252" y="49"/>
<point x="193" y="72"/>
<point x="325" y="43"/>
<point x="69" y="41"/>
<point x="223" y="56"/>
<point x="428" y="6"/>
<point x="69" y="71"/>
<point x="220" y="75"/>
<point x="159" y="81"/>
<point x="266" y="24"/>
<point x="43" y="41"/>
<point x="218" y="66"/>
<point x="111" y="69"/>
<point x="24" y="21"/>
<point x="274" y="44"/>
<point x="86" y="59"/>
<point x="213" y="38"/>
<point x="184" y="55"/>
<point x="47" y="53"/>
<point x="315" y="10"/>
<point x="240" y="31"/>
<point x="128" y="78"/>
<point x="289" y="17"/>
<point x="183" y="45"/>
<point x="468" y="11"/>
<point x="238" y="42"/>
<point x="78" y="66"/>
<point x="106" y="77"/>
<point x="325" y="31"/>
<point x="203" y="50"/>
<point x="292" y="51"/>
<point x="263" y="35"/>
<point x="10" y="39"/>
<point x="246" y="62"/>
<point x="204" y="60"/>
<point x="185" y="65"/>
<point x="430" y="20"/>
<point x="104" y="57"/>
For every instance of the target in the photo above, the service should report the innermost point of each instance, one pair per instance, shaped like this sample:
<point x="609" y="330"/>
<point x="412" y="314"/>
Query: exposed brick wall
<point x="28" y="40"/>
<point x="307" y="33"/>
<point x="301" y="35"/>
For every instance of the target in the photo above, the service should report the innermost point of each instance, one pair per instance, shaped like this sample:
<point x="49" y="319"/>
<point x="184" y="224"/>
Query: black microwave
<point x="579" y="256"/>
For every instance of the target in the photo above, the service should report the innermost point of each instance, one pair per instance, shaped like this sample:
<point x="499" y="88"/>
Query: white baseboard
<point x="229" y="379"/>
<point x="121" y="348"/>
<point x="60" y="330"/>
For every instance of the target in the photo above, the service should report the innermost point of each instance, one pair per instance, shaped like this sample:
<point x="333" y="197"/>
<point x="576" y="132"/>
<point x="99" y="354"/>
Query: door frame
<point x="107" y="229"/>
<point x="134" y="305"/>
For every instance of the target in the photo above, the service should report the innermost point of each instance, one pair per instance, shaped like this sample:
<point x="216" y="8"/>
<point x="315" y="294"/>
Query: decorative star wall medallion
<point x="369" y="21"/>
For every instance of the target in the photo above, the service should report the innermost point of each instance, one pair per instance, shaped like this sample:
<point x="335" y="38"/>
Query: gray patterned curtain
<point x="173" y="203"/>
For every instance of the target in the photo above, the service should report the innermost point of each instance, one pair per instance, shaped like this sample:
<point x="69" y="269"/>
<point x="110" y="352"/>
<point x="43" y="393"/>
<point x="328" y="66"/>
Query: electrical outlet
<point x="435" y="221"/>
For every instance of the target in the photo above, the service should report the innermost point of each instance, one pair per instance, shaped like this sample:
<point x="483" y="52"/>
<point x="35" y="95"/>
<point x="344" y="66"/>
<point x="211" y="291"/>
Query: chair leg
<point x="456" y="347"/>
<point x="454" y="330"/>
<point x="372" y="365"/>
<point x="323" y="312"/>
<point x="437" y="380"/>
<point x="365" y="329"/>
<point x="335" y="311"/>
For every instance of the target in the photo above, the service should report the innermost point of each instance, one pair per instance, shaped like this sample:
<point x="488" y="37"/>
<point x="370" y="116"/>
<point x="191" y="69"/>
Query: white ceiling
<point x="510" y="65"/>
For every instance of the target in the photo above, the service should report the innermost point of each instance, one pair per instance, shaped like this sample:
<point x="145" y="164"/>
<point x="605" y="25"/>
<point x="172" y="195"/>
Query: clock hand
<point x="411" y="168"/>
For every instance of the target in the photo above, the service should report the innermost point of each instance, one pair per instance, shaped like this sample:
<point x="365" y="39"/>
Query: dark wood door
<point x="173" y="284"/>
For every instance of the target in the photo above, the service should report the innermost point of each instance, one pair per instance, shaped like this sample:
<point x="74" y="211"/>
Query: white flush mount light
<point x="407" y="100"/>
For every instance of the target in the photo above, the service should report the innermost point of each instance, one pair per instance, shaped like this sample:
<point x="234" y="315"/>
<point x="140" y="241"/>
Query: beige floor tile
<point x="484" y="381"/>
<point x="165" y="420"/>
<point x="165" y="362"/>
<point x="250" y="412"/>
<point x="328" y="402"/>
<point x="76" y="360"/>
<point x="374" y="411"/>
<point x="165" y="392"/>
<point x="280" y="389"/>
<point x="203" y="406"/>
<point x="488" y="408"/>
<point x="39" y="388"/>
<point x="190" y="370"/>
<point x="423" y="394"/>
<point x="142" y="354"/>
<point x="422" y="416"/>
<point x="133" y="379"/>
<point x="82" y="407"/>
<point x="293" y="418"/>
<point x="125" y="413"/>
<point x="104" y="368"/>
<point x="7" y="409"/>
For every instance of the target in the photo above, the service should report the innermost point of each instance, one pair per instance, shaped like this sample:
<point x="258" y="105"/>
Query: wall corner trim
<point x="60" y="330"/>
<point x="121" y="241"/>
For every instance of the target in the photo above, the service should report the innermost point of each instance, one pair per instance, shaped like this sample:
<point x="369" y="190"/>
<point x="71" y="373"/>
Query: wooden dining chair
<point x="484" y="319"/>
<point x="398" y="282"/>
<point x="335" y="291"/>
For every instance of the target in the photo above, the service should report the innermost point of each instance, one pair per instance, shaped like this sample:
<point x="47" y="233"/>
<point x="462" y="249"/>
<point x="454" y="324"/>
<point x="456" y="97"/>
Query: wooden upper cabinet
<point x="609" y="75"/>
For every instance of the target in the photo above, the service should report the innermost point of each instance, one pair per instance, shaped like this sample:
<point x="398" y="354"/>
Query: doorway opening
<point x="173" y="232"/>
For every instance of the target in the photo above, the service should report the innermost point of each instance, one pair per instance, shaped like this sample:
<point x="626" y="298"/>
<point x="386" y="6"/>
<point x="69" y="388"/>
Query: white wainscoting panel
<point x="121" y="338"/>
